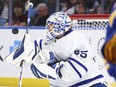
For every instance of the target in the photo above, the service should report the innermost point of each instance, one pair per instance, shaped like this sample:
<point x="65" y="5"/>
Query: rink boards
<point x="26" y="82"/>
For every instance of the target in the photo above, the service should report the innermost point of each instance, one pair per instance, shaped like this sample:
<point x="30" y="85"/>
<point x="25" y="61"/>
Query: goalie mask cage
<point x="90" y="21"/>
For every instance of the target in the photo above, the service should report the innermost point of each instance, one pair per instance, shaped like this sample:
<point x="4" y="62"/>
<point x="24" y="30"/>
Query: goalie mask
<point x="57" y="24"/>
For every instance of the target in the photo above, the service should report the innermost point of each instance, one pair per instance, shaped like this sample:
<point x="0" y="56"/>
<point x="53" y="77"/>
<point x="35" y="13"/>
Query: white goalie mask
<point x="57" y="24"/>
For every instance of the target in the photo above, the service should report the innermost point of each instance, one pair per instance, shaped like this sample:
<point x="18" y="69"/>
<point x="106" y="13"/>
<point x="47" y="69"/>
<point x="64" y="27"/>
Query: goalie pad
<point x="25" y="52"/>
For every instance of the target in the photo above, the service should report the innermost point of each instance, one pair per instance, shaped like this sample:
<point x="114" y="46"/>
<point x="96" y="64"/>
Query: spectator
<point x="108" y="6"/>
<point x="4" y="7"/>
<point x="53" y="6"/>
<point x="42" y="15"/>
<point x="98" y="10"/>
<point x="19" y="18"/>
<point x="63" y="4"/>
<point x="91" y="5"/>
<point x="71" y="6"/>
<point x="36" y="2"/>
<point x="80" y="8"/>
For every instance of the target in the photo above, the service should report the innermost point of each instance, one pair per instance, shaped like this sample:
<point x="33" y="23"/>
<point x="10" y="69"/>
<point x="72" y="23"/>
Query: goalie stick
<point x="27" y="31"/>
<point x="0" y="55"/>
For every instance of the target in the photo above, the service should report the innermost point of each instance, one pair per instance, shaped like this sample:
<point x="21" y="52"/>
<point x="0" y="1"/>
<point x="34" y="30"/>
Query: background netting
<point x="93" y="24"/>
<point x="90" y="22"/>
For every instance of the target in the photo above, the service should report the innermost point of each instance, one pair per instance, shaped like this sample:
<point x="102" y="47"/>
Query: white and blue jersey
<point x="78" y="68"/>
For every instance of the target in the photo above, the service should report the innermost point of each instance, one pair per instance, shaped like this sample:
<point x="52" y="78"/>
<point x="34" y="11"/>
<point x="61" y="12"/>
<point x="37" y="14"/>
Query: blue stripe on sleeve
<point x="35" y="42"/>
<point x="75" y="69"/>
<point x="41" y="44"/>
<point x="35" y="72"/>
<point x="87" y="81"/>
<point x="36" y="45"/>
<point x="78" y="63"/>
<point x="39" y="74"/>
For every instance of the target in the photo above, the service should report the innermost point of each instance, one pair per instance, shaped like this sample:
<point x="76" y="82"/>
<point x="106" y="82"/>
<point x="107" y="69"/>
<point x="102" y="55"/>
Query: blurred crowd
<point x="14" y="12"/>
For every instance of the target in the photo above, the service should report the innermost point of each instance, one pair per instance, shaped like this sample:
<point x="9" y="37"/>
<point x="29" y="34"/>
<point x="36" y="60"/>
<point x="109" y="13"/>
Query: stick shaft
<point x="0" y="55"/>
<point x="28" y="20"/>
<point x="1" y="47"/>
<point x="22" y="62"/>
<point x="21" y="74"/>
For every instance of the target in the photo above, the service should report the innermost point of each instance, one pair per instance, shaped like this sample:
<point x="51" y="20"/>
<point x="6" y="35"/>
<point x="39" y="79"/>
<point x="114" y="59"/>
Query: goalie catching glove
<point x="29" y="51"/>
<point x="25" y="52"/>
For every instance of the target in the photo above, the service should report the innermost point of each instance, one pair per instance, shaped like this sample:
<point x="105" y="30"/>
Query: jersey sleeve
<point x="39" y="43"/>
<point x="75" y="67"/>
